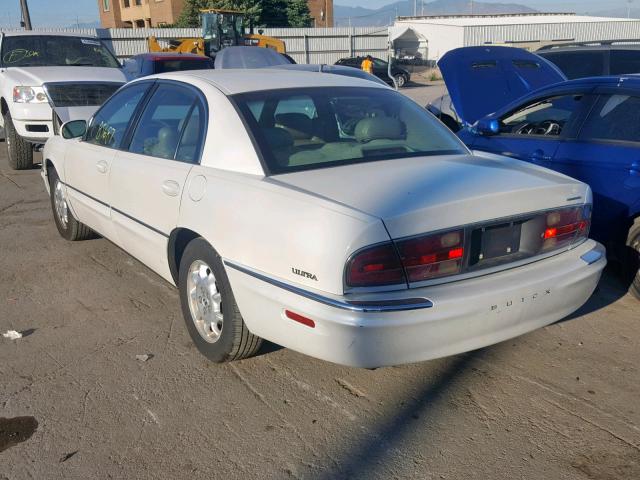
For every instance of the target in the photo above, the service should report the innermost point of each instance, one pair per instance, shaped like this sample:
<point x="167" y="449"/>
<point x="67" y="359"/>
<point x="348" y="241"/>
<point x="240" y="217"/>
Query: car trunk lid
<point x="414" y="196"/>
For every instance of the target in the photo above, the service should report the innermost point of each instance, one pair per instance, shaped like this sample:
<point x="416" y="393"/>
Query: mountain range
<point x="361" y="17"/>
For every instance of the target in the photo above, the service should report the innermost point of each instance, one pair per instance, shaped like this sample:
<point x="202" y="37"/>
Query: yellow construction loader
<point x="220" y="29"/>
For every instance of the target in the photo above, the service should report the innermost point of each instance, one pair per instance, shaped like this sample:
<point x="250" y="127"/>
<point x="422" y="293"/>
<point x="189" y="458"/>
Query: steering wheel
<point x="550" y="127"/>
<point x="526" y="129"/>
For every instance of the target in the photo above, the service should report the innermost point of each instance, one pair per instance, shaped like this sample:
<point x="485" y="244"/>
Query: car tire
<point x="401" y="80"/>
<point x="19" y="151"/>
<point x="209" y="308"/>
<point x="68" y="226"/>
<point x="633" y="261"/>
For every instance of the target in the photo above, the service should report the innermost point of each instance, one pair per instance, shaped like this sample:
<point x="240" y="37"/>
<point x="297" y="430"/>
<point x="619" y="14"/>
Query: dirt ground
<point x="75" y="402"/>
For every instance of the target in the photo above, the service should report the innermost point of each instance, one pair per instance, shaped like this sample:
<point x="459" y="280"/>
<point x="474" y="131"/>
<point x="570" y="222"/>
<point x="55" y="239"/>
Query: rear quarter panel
<point x="274" y="229"/>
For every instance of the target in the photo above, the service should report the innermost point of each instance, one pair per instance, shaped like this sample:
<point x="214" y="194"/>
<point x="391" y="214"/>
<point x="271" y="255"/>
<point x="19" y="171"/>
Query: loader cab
<point x="222" y="28"/>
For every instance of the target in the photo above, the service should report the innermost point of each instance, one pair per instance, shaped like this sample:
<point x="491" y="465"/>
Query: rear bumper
<point x="463" y="315"/>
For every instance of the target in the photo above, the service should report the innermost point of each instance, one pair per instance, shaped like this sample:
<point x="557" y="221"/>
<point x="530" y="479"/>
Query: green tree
<point x="190" y="15"/>
<point x="259" y="13"/>
<point x="298" y="14"/>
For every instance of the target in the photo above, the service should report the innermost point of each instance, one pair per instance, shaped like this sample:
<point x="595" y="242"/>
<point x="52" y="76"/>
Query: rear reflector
<point x="300" y="319"/>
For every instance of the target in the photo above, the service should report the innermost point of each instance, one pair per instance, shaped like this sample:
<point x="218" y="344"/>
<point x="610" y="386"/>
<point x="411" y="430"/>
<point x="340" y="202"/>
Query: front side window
<point x="308" y="128"/>
<point x="55" y="51"/>
<point x="110" y="124"/>
<point x="547" y="117"/>
<point x="614" y="118"/>
<point x="165" y="120"/>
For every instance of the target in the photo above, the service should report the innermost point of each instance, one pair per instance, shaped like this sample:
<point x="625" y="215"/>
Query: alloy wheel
<point x="205" y="301"/>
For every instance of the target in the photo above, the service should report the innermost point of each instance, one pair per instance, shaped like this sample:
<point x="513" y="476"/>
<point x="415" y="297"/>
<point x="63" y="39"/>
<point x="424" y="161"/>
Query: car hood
<point x="36" y="76"/>
<point x="426" y="194"/>
<point x="481" y="80"/>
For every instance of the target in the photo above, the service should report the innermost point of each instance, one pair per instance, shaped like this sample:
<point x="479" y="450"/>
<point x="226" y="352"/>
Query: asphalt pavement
<point x="105" y="383"/>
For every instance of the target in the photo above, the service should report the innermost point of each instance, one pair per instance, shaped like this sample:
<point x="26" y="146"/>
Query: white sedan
<point x="327" y="214"/>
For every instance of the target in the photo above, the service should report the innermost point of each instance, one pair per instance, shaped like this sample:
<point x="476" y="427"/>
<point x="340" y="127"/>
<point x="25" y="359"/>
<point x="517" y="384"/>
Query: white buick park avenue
<point x="327" y="214"/>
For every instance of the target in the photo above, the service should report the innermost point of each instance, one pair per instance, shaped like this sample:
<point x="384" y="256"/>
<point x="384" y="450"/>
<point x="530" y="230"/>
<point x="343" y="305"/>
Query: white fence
<point x="305" y="45"/>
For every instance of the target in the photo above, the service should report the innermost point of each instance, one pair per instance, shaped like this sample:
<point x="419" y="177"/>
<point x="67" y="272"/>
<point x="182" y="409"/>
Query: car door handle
<point x="539" y="155"/>
<point x="171" y="188"/>
<point x="102" y="166"/>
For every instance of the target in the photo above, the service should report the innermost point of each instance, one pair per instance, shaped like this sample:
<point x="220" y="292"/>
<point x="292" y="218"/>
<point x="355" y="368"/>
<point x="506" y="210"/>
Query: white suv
<point x="41" y="72"/>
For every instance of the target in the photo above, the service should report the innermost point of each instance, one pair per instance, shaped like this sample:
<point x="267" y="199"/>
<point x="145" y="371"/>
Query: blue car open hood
<point x="481" y="80"/>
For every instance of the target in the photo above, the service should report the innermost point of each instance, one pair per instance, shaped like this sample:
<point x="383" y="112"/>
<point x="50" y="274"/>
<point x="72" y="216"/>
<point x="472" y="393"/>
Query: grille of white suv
<point x="84" y="94"/>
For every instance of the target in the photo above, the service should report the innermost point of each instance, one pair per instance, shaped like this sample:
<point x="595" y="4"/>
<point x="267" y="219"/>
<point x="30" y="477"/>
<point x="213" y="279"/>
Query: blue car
<point x="511" y="102"/>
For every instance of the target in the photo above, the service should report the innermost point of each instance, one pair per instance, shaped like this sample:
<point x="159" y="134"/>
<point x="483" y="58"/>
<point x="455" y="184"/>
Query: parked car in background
<point x="332" y="69"/>
<point x="380" y="70"/>
<point x="580" y="60"/>
<point x="324" y="213"/>
<point x="73" y="74"/>
<point x="244" y="57"/>
<point x="152" y="63"/>
<point x="588" y="129"/>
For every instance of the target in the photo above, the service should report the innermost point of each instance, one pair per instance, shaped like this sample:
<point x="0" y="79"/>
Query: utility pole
<point x="415" y="8"/>
<point x="26" y="18"/>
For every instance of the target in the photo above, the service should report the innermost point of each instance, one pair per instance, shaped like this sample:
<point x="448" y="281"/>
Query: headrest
<point x="277" y="138"/>
<point x="298" y="124"/>
<point x="374" y="128"/>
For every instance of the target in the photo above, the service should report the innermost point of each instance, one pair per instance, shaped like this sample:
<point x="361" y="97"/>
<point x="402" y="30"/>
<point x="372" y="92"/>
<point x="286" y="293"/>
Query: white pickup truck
<point x="42" y="73"/>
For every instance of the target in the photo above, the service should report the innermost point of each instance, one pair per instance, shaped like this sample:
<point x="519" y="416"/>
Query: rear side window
<point x="578" y="64"/>
<point x="111" y="122"/>
<point x="625" y="61"/>
<point x="614" y="118"/>
<point x="166" y="118"/>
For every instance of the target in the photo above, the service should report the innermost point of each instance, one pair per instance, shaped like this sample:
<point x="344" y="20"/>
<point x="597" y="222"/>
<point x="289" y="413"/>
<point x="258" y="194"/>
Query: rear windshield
<point x="55" y="51"/>
<point x="578" y="64"/>
<point x="171" y="65"/>
<point x="310" y="128"/>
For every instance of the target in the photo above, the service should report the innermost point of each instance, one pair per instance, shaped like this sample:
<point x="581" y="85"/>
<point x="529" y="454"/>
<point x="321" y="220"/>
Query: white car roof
<point x="233" y="81"/>
<point x="31" y="33"/>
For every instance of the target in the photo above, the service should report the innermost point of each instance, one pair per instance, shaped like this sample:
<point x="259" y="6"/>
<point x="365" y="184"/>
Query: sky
<point x="65" y="13"/>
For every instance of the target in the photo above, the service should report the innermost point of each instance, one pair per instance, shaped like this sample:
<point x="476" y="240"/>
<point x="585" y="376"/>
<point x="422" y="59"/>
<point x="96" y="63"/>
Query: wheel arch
<point x="178" y="240"/>
<point x="4" y="109"/>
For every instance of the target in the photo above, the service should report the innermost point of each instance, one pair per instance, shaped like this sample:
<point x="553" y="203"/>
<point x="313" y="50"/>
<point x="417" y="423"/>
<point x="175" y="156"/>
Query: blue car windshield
<point x="312" y="128"/>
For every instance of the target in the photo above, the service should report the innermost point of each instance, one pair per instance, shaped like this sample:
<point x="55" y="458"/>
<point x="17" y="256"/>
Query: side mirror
<point x="487" y="127"/>
<point x="73" y="129"/>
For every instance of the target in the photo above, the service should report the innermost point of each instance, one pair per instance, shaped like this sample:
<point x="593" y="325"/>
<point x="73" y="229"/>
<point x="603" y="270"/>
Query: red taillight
<point x="565" y="227"/>
<point x="377" y="265"/>
<point x="432" y="256"/>
<point x="422" y="258"/>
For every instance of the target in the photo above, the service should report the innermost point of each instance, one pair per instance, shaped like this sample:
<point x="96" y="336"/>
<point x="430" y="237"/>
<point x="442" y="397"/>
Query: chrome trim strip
<point x="364" y="306"/>
<point x="155" y="230"/>
<point x="592" y="256"/>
